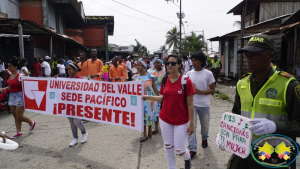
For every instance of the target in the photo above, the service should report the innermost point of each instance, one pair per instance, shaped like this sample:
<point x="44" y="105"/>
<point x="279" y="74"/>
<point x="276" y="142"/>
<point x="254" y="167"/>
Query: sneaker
<point x="187" y="164"/>
<point x="18" y="134"/>
<point x="204" y="143"/>
<point x="74" y="142"/>
<point x="84" y="137"/>
<point x="192" y="154"/>
<point x="31" y="128"/>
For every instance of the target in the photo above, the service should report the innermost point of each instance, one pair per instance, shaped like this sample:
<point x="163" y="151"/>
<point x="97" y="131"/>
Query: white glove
<point x="217" y="142"/>
<point x="262" y="126"/>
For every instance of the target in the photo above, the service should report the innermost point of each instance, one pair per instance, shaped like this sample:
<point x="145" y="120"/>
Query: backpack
<point x="20" y="79"/>
<point x="183" y="85"/>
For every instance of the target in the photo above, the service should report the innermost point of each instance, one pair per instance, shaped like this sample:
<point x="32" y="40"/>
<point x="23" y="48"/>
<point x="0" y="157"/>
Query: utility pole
<point x="180" y="22"/>
<point x="180" y="15"/>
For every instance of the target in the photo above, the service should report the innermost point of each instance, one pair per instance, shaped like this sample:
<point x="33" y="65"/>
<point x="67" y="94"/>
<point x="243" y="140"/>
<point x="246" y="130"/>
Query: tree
<point x="173" y="38"/>
<point x="163" y="48"/>
<point x="192" y="43"/>
<point x="140" y="49"/>
<point x="237" y="24"/>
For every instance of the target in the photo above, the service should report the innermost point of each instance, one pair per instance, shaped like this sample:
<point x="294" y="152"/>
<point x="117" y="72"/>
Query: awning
<point x="12" y="36"/>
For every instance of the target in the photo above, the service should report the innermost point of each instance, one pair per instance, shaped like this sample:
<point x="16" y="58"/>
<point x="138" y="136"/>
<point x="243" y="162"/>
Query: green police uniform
<point x="277" y="98"/>
<point x="216" y="66"/>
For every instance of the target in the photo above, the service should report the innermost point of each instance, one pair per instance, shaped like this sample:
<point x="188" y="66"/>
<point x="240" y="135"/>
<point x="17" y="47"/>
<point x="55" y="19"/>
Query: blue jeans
<point x="204" y="116"/>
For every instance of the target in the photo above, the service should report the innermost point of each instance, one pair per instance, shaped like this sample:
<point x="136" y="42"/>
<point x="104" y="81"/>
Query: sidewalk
<point x="228" y="90"/>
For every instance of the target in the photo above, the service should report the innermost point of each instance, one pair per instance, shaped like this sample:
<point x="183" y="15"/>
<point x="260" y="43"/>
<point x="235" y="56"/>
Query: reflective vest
<point x="269" y="102"/>
<point x="215" y="64"/>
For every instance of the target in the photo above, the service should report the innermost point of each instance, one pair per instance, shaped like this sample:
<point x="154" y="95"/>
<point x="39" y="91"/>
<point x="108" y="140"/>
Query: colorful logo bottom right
<point x="274" y="151"/>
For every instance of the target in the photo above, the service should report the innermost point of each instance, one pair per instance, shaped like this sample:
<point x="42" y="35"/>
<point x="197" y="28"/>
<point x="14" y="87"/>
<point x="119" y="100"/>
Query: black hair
<point x="75" y="67"/>
<point x="184" y="57"/>
<point x="174" y="56"/>
<point x="178" y="61"/>
<point x="199" y="56"/>
<point x="14" y="61"/>
<point x="22" y="62"/>
<point x="35" y="59"/>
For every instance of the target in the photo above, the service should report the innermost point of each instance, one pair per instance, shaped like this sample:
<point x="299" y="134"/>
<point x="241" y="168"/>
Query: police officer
<point x="256" y="90"/>
<point x="216" y="67"/>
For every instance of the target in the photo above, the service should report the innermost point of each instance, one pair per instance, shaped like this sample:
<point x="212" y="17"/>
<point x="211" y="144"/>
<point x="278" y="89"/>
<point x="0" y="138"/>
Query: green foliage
<point x="139" y="48"/>
<point x="217" y="91"/>
<point x="192" y="43"/>
<point x="223" y="96"/>
<point x="173" y="38"/>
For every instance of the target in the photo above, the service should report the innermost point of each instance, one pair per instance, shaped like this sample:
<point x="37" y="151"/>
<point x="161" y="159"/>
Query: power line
<point x="118" y="11"/>
<point x="207" y="13"/>
<point x="143" y="12"/>
<point x="141" y="33"/>
<point x="205" y="28"/>
<point x="157" y="5"/>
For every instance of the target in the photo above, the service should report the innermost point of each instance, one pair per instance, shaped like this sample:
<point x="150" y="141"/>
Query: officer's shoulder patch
<point x="297" y="91"/>
<point x="244" y="75"/>
<point x="285" y="74"/>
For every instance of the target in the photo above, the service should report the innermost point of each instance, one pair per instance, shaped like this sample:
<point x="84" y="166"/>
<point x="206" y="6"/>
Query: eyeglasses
<point x="172" y="63"/>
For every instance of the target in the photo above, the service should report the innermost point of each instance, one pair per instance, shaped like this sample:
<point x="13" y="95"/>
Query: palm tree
<point x="163" y="48"/>
<point x="173" y="38"/>
<point x="237" y="24"/>
<point x="192" y="43"/>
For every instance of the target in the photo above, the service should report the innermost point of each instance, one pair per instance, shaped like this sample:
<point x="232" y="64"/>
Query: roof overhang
<point x="102" y="20"/>
<point x="72" y="10"/>
<point x="254" y="29"/>
<point x="238" y="9"/>
<point x="292" y="19"/>
<point x="10" y="26"/>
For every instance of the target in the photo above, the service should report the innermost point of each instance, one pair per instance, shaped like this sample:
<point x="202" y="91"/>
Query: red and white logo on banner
<point x="35" y="94"/>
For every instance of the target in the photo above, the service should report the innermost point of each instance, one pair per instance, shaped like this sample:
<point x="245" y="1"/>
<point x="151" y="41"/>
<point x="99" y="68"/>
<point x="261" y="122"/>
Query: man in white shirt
<point x="46" y="69"/>
<point x="187" y="63"/>
<point x="203" y="82"/>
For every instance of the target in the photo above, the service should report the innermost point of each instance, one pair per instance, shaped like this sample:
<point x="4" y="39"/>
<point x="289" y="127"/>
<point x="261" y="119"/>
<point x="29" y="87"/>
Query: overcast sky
<point x="208" y="15"/>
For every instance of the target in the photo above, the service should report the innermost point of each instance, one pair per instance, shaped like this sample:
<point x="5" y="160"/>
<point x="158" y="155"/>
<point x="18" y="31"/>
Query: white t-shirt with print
<point x="47" y="68"/>
<point x="62" y="68"/>
<point x="202" y="79"/>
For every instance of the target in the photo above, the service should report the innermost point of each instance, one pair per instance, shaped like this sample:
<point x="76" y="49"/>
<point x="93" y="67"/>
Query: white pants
<point x="175" y="139"/>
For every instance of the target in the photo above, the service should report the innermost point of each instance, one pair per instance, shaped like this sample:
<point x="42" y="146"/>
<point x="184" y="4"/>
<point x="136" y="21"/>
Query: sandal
<point x="150" y="135"/>
<point x="143" y="139"/>
<point x="154" y="132"/>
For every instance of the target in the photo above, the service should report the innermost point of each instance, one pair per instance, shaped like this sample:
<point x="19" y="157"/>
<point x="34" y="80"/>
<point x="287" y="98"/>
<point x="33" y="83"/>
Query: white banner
<point x="117" y="104"/>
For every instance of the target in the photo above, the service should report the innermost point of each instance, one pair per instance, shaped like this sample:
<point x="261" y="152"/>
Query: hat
<point x="60" y="60"/>
<point x="47" y="58"/>
<point x="258" y="43"/>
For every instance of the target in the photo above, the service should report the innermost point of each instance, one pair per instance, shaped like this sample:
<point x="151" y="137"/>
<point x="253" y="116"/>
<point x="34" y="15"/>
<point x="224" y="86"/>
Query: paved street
<point x="108" y="147"/>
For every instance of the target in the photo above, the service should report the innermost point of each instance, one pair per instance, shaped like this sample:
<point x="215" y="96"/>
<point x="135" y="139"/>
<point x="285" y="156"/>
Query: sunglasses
<point x="172" y="63"/>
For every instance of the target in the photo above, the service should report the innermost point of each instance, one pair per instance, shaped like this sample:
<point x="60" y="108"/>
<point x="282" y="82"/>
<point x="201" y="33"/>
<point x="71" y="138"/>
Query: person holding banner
<point x="3" y="136"/>
<point x="159" y="72"/>
<point x="269" y="97"/>
<point x="149" y="89"/>
<point x="177" y="114"/>
<point x="16" y="100"/>
<point x="76" y="123"/>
